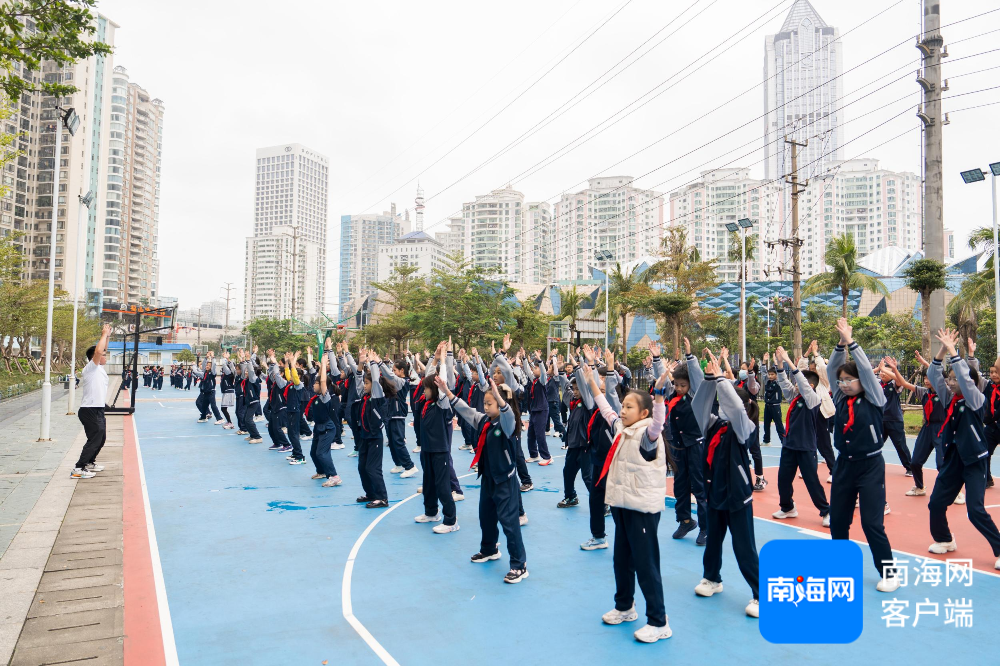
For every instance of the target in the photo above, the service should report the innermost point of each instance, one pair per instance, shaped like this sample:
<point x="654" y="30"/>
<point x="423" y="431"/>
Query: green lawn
<point x="912" y="419"/>
<point x="10" y="379"/>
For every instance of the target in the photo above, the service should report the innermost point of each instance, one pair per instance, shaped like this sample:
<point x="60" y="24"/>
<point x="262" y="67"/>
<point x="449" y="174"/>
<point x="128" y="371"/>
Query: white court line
<point x="166" y="626"/>
<point x="345" y="592"/>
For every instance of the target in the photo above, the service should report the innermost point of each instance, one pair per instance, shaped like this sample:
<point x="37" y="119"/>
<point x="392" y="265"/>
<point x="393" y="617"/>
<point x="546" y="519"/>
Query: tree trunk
<point x="843" y="303"/>
<point x="676" y="325"/>
<point x="925" y="324"/>
<point x="625" y="337"/>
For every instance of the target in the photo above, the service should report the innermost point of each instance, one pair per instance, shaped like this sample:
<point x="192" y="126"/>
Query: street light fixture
<point x="742" y="225"/>
<point x="71" y="121"/>
<point x="975" y="176"/>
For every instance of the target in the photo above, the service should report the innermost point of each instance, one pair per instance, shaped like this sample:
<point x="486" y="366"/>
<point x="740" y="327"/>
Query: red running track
<point x="907" y="525"/>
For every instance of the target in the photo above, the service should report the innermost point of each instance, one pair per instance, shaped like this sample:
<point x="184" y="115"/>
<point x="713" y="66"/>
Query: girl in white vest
<point x="636" y="470"/>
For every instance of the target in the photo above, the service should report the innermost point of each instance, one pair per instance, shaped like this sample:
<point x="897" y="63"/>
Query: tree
<point x="886" y="334"/>
<point x="844" y="274"/>
<point x="671" y="307"/>
<point x="186" y="356"/>
<point x="276" y="334"/>
<point x="925" y="276"/>
<point x="400" y="291"/>
<point x="528" y="327"/>
<point x="570" y="303"/>
<point x="63" y="32"/>
<point x="681" y="271"/>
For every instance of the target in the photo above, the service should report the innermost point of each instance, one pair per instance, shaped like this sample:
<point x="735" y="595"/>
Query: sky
<point x="466" y="97"/>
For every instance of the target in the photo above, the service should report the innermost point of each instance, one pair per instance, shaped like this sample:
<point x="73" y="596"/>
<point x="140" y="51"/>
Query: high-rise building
<point x="31" y="191"/>
<point x="535" y="259"/>
<point x="493" y="232"/>
<point x="130" y="224"/>
<point x="290" y="209"/>
<point x="802" y="91"/>
<point x="417" y="249"/>
<point x="453" y="239"/>
<point x="611" y="215"/>
<point x="361" y="236"/>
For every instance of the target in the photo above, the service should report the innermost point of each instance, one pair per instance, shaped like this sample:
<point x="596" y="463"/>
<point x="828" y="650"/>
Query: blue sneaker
<point x="285" y="449"/>
<point x="274" y="447"/>
<point x="594" y="544"/>
<point x="352" y="454"/>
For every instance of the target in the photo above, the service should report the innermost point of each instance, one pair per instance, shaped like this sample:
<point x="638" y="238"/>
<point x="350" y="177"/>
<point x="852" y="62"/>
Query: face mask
<point x="743" y="374"/>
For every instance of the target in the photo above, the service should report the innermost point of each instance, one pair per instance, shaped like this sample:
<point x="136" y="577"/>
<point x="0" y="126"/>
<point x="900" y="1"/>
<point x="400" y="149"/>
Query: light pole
<point x="85" y="201"/>
<point x="71" y="122"/>
<point x="742" y="226"/>
<point x="974" y="176"/>
<point x="605" y="255"/>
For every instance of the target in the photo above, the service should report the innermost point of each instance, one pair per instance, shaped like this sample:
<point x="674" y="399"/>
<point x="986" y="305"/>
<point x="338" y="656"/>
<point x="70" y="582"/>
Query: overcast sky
<point x="392" y="91"/>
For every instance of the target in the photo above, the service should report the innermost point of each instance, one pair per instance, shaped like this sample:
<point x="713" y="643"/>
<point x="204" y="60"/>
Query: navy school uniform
<point x="991" y="423"/>
<point x="538" y="415"/>
<point x="251" y="398"/>
<point x="366" y="415"/>
<point x="552" y="395"/>
<point x="688" y="450"/>
<point x="754" y="442"/>
<point x="966" y="452"/>
<point x="798" y="453"/>
<point x="726" y="465"/>
<point x="772" y="411"/>
<point x="290" y="395"/>
<point x="322" y="410"/>
<point x="577" y="453"/>
<point x="395" y="429"/>
<point x="462" y="389"/>
<point x="892" y="423"/>
<point x="435" y="456"/>
<point x="600" y="437"/>
<point x="929" y="438"/>
<point x="273" y="410"/>
<point x="859" y="474"/>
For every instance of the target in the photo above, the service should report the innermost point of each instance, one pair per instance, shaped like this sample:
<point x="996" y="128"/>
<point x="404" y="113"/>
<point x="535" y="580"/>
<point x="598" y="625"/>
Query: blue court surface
<point x="254" y="556"/>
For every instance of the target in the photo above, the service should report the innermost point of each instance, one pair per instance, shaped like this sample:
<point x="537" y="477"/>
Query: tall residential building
<point x="721" y="197"/>
<point x="611" y="215"/>
<point x="536" y="256"/>
<point x="291" y="194"/>
<point x="31" y="192"/>
<point x="493" y="232"/>
<point x="453" y="239"/>
<point x="131" y="215"/>
<point x="361" y="236"/>
<point x="417" y="249"/>
<point x="802" y="100"/>
<point x="281" y="277"/>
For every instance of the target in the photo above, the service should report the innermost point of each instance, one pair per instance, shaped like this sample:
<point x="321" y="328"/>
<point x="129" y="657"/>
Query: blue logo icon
<point x="810" y="591"/>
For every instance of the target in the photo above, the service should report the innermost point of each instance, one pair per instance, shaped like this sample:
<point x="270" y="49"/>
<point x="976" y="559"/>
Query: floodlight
<point x="731" y="226"/>
<point x="745" y="223"/>
<point x="973" y="176"/>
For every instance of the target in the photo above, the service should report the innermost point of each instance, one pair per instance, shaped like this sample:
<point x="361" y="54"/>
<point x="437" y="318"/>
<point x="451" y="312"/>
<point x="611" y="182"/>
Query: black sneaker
<point x="909" y="473"/>
<point x="564" y="447"/>
<point x="989" y="482"/>
<point x="607" y="510"/>
<point x="363" y="499"/>
<point x="568" y="502"/>
<point x="702" y="538"/>
<point x="516" y="575"/>
<point x="377" y="504"/>
<point x="478" y="558"/>
<point x="759" y="484"/>
<point x="525" y="487"/>
<point x="683" y="529"/>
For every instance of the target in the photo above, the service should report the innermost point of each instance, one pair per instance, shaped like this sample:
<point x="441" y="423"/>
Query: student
<point x="94" y="387"/>
<point x="495" y="429"/>
<point x="892" y="421"/>
<point x="772" y="412"/>
<point x="747" y="380"/>
<point x="274" y="408"/>
<point x="504" y="376"/>
<point x="250" y="385"/>
<point x="966" y="450"/>
<point x="552" y="395"/>
<point x="635" y="468"/>
<point x="366" y="414"/>
<point x="320" y="408"/>
<point x="189" y="377"/>
<point x="307" y="377"/>
<point x="435" y="454"/>
<point x="209" y="371"/>
<point x="991" y="413"/>
<point x="799" y="450"/>
<point x="147" y="376"/>
<point x="289" y="384"/>
<point x="395" y="386"/>
<point x="472" y="379"/>
<point x="827" y="410"/>
<point x="730" y="495"/>
<point x="538" y="410"/>
<point x="227" y="384"/>
<point x="417" y="399"/>
<point x="859" y="473"/>
<point x="687" y="442"/>
<point x="352" y="393"/>
<point x="600" y="437"/>
<point x="575" y="436"/>
<point x="928" y="439"/>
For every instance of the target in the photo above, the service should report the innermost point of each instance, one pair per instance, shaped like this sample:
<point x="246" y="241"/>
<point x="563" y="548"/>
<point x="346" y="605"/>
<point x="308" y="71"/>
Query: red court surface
<point x="907" y="523"/>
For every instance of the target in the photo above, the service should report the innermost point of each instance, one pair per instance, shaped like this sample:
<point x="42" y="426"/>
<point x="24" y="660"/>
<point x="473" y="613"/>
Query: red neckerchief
<point x="573" y="403"/>
<point x="480" y="444"/>
<point x="951" y="409"/>
<point x="427" y="405"/>
<point x="850" y="413"/>
<point x="305" y="412"/>
<point x="791" y="406"/>
<point x="929" y="406"/>
<point x="741" y="384"/>
<point x="471" y="389"/>
<point x="994" y="392"/>
<point x="611" y="455"/>
<point x="672" y="403"/>
<point x="590" y="424"/>
<point x="716" y="438"/>
<point x="533" y="384"/>
<point x="364" y="405"/>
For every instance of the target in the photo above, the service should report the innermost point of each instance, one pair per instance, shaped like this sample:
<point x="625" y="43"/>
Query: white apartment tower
<point x="290" y="205"/>
<point x="281" y="276"/>
<point x="493" y="233"/>
<point x="361" y="237"/>
<point x="417" y="249"/>
<point x="611" y="215"/>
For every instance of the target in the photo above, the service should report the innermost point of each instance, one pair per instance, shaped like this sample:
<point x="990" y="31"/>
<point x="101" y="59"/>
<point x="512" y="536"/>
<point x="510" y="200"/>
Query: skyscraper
<point x="361" y="236"/>
<point x="290" y="208"/>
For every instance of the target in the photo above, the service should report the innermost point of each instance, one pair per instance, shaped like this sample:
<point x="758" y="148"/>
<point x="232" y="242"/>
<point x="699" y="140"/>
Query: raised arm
<point x="607" y="413"/>
<point x="731" y="408"/>
<point x="101" y="349"/>
<point x="974" y="398"/>
<point x="459" y="406"/>
<point x="704" y="398"/>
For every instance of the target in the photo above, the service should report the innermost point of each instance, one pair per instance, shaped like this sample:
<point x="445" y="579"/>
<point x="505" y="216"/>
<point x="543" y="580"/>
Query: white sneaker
<point x="396" y="470"/>
<point x="707" y="588"/>
<point x="615" y="616"/>
<point x="916" y="492"/>
<point x="336" y="447"/>
<point x="753" y="608"/>
<point x="887" y="510"/>
<point x="424" y="518"/>
<point x="444" y="529"/>
<point x="651" y="634"/>
<point x="255" y="440"/>
<point x="228" y="426"/>
<point x="332" y="482"/>
<point x="997" y="564"/>
<point x="960" y="498"/>
<point x="416" y="449"/>
<point x="247" y="438"/>
<point x="94" y="467"/>
<point x="888" y="584"/>
<point x="465" y="447"/>
<point x="533" y="459"/>
<point x="522" y="520"/>
<point x="220" y="422"/>
<point x="78" y="473"/>
<point x="826" y="522"/>
<point x="458" y="497"/>
<point x="202" y="420"/>
<point x="305" y="437"/>
<point x="420" y="490"/>
<point x="829" y="479"/>
<point x="942" y="547"/>
<point x="407" y="473"/>
<point x="781" y="515"/>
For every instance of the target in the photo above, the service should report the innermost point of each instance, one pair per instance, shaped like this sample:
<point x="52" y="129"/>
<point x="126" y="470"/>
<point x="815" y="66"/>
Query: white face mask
<point x="743" y="374"/>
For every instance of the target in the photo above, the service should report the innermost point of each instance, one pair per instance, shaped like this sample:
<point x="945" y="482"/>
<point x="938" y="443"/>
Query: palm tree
<point x="976" y="293"/>
<point x="570" y="301"/>
<point x="628" y="294"/>
<point x="671" y="307"/>
<point x="925" y="276"/>
<point x="844" y="274"/>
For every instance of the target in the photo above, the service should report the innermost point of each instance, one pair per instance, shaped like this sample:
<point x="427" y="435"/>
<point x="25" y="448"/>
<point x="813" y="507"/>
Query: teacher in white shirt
<point x="91" y="412"/>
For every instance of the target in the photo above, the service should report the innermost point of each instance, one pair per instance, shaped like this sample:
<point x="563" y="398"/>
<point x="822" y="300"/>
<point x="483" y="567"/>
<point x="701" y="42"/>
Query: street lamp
<point x="71" y="121"/>
<point x="742" y="225"/>
<point x="975" y="176"/>
<point x="605" y="255"/>
<point x="85" y="202"/>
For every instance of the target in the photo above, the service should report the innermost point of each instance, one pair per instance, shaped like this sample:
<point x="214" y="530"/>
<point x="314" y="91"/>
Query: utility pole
<point x="796" y="243"/>
<point x="225" y="331"/>
<point x="199" y="327"/>
<point x="932" y="51"/>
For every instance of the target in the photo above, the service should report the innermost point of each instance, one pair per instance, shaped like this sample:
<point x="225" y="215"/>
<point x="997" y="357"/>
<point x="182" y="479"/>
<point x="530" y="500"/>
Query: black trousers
<point x="754" y="446"/>
<point x="320" y="453"/>
<point x="577" y="460"/>
<point x="894" y="432"/>
<point x="637" y="555"/>
<point x="791" y="461"/>
<point x="241" y="408"/>
<point x="370" y="469"/>
<point x="950" y="479"/>
<point x="498" y="503"/>
<point x="555" y="417"/>
<point x="928" y="441"/>
<point x="274" y="427"/>
<point x="94" y="425"/>
<point x="291" y="420"/>
<point x="304" y="429"/>
<point x="537" y="444"/>
<point x="740" y="526"/>
<point x="596" y="502"/>
<point x="862" y="479"/>
<point x="824" y="447"/>
<point x="248" y="423"/>
<point x="522" y="466"/>
<point x="437" y="485"/>
<point x="772" y="414"/>
<point x="688" y="480"/>
<point x="395" y="430"/>
<point x="992" y="439"/>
